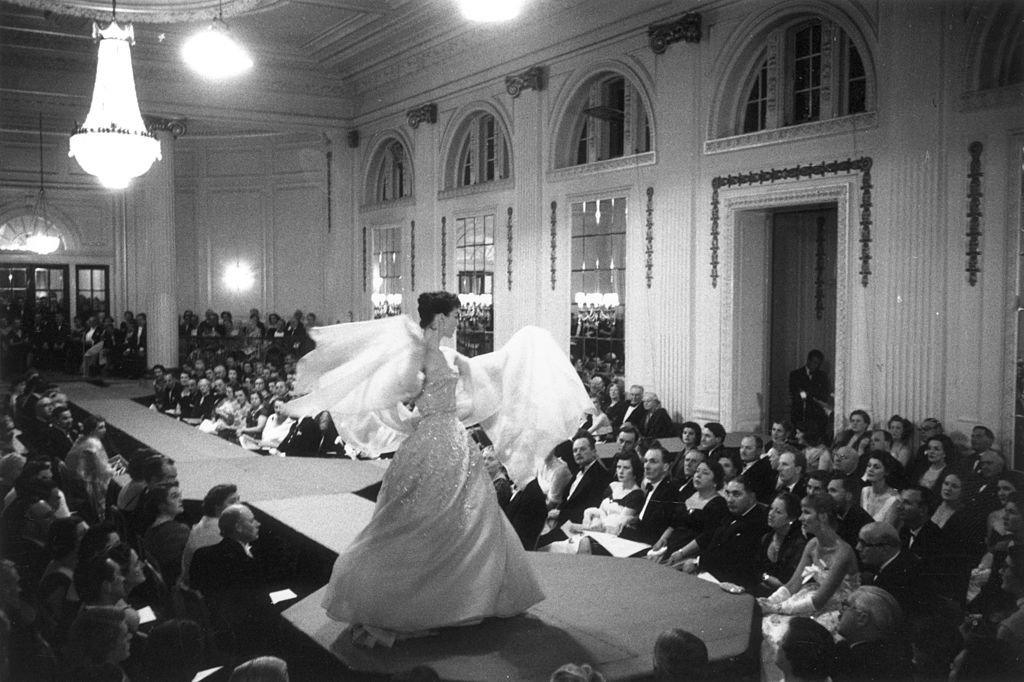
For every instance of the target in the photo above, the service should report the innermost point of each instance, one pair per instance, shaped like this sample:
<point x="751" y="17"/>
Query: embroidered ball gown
<point x="438" y="550"/>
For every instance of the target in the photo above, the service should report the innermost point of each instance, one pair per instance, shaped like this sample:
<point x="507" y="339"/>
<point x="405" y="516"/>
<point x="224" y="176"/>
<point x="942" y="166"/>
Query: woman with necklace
<point x="782" y="546"/>
<point x="878" y="498"/>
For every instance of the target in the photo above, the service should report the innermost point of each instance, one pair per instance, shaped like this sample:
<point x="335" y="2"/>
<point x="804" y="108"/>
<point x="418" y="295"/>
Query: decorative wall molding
<point x="508" y="246"/>
<point x="412" y="255"/>
<point x="974" y="213"/>
<point x="863" y="165"/>
<point x="554" y="243"/>
<point x="650" y="237"/>
<point x="819" y="270"/>
<point x="764" y="198"/>
<point x="804" y="131"/>
<point x="409" y="201"/>
<point x="534" y="78"/>
<point x="425" y="113"/>
<point x="175" y="126"/>
<point x="686" y="28"/>
<point x="992" y="98"/>
<point x="364" y="258"/>
<point x="480" y="188"/>
<point x="444" y="252"/>
<point x="621" y="163"/>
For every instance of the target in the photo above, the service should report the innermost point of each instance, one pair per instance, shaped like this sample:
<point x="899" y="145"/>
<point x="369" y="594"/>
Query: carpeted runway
<point x="599" y="610"/>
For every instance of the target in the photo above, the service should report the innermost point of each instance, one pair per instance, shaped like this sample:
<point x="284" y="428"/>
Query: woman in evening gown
<point x="438" y="550"/>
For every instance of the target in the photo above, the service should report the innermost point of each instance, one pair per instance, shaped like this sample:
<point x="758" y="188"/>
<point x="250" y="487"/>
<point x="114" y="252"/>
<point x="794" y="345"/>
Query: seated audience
<point x="261" y="669"/>
<point x="826" y="575"/>
<point x="893" y="568"/>
<point x="690" y="435"/>
<point x="585" y="491"/>
<point x="858" y="433"/>
<point x="809" y="437"/>
<point x="702" y="511"/>
<point x="175" y="652"/>
<point x="731" y="464"/>
<point x="599" y="426"/>
<point x="757" y="468"/>
<point x="57" y="599"/>
<point x="941" y="454"/>
<point x="963" y="538"/>
<point x="656" y="423"/>
<point x="729" y="552"/>
<point x="902" y="431"/>
<point x="89" y="482"/>
<point x="206" y="532"/>
<point x="790" y="478"/>
<point x="571" y="672"/>
<point x="165" y="538"/>
<point x="783" y="545"/>
<point x="98" y="643"/>
<point x="498" y="475"/>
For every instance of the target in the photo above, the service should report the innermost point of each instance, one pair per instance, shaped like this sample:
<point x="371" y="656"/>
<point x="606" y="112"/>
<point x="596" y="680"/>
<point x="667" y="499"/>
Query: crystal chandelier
<point x="212" y="53"/>
<point x="114" y="144"/>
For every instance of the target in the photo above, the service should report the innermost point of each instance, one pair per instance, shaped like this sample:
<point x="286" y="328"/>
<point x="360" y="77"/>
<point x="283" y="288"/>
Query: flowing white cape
<point x="525" y="395"/>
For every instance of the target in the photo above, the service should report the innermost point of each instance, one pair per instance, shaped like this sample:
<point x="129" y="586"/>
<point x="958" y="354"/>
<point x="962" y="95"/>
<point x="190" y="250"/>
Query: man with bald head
<point x="890" y="566"/>
<point x="635" y="411"/>
<point x="232" y="579"/>
<point x="657" y="422"/>
<point x="586" y="489"/>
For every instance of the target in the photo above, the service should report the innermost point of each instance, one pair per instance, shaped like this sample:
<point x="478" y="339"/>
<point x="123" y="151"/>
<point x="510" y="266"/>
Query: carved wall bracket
<point x="412" y="254"/>
<point x="863" y="165"/>
<point x="534" y="78"/>
<point x="175" y="126"/>
<point x="425" y="113"/>
<point x="508" y="245"/>
<point x="686" y="27"/>
<point x="554" y="243"/>
<point x="444" y="252"/>
<point x="974" y="195"/>
<point x="819" y="270"/>
<point x="650" y="236"/>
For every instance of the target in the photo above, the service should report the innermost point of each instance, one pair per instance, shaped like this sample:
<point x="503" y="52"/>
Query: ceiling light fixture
<point x="490" y="10"/>
<point x="213" y="53"/>
<point x="114" y="144"/>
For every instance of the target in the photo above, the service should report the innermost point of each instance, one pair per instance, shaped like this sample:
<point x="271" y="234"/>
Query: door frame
<point x="850" y="349"/>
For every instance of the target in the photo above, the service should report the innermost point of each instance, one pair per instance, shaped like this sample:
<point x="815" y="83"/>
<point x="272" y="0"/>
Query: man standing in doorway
<point x="810" y="396"/>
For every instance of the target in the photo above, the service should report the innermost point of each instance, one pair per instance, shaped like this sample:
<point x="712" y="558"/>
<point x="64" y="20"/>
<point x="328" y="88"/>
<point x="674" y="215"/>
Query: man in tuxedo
<point x="757" y="468"/>
<point x="791" y="474"/>
<point x="918" y="533"/>
<point x="659" y="501"/>
<point x="657" y="422"/>
<point x="526" y="511"/>
<point x="231" y="579"/>
<point x="810" y="396"/>
<point x="586" y="490"/>
<point x="890" y="566"/>
<point x="872" y="648"/>
<point x="711" y="440"/>
<point x="730" y="552"/>
<point x="61" y="435"/>
<point x="982" y="440"/>
<point x="635" y="411"/>
<point x="851" y="515"/>
<point x="682" y="469"/>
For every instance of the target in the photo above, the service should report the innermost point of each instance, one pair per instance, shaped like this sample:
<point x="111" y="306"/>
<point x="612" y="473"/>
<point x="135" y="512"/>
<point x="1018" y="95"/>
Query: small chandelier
<point x="114" y="144"/>
<point x="213" y="54"/>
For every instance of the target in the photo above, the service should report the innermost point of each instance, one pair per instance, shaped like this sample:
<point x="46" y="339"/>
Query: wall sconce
<point x="239" y="277"/>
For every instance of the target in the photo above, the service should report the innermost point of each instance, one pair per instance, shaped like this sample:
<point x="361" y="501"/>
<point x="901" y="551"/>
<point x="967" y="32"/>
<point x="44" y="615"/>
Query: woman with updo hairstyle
<point x="438" y="550"/>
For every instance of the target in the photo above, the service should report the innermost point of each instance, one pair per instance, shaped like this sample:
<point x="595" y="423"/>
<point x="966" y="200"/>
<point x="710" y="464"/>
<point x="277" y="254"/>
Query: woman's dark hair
<point x="734" y="457"/>
<point x="716" y="470"/>
<point x="809" y="648"/>
<point x="432" y="303"/>
<point x="792" y="504"/>
<point x="862" y="413"/>
<point x="216" y="497"/>
<point x="812" y="433"/>
<point x="948" y="448"/>
<point x="822" y="503"/>
<point x="690" y="425"/>
<point x="908" y="427"/>
<point x="156" y="497"/>
<point x="635" y="463"/>
<point x="91" y="423"/>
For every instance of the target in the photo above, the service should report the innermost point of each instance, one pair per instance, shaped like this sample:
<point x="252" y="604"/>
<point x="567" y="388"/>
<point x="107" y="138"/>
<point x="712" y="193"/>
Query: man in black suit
<point x="635" y="411"/>
<point x="851" y="515"/>
<point x="657" y="422"/>
<point x="891" y="567"/>
<point x="792" y="465"/>
<point x="730" y="552"/>
<point x="918" y="533"/>
<point x="872" y="648"/>
<point x="711" y="440"/>
<point x="526" y="511"/>
<point x="586" y="490"/>
<point x="757" y="468"/>
<point x="232" y="581"/>
<point x="810" y="396"/>
<point x="659" y="501"/>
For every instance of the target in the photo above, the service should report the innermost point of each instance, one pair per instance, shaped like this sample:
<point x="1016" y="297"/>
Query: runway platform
<point x="599" y="610"/>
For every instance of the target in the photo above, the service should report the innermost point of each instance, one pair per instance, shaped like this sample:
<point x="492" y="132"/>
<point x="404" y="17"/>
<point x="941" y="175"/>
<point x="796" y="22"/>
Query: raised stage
<point x="599" y="610"/>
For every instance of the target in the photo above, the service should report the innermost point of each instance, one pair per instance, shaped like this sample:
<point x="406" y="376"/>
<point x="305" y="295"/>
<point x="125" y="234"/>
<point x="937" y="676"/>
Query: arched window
<point x="31" y="233"/>
<point x="393" y="179"/>
<point x="1000" y="46"/>
<point x="806" y="70"/>
<point x="483" y="152"/>
<point x="607" y="120"/>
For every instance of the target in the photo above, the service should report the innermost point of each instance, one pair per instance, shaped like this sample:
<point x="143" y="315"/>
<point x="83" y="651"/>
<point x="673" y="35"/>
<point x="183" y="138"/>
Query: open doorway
<point x="802" y="298"/>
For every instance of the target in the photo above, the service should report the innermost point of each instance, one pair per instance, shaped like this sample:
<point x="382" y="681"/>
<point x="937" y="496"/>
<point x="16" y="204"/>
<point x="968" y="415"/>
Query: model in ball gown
<point x="438" y="550"/>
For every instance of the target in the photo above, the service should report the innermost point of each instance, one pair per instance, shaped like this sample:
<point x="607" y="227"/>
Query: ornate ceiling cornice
<point x="148" y="11"/>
